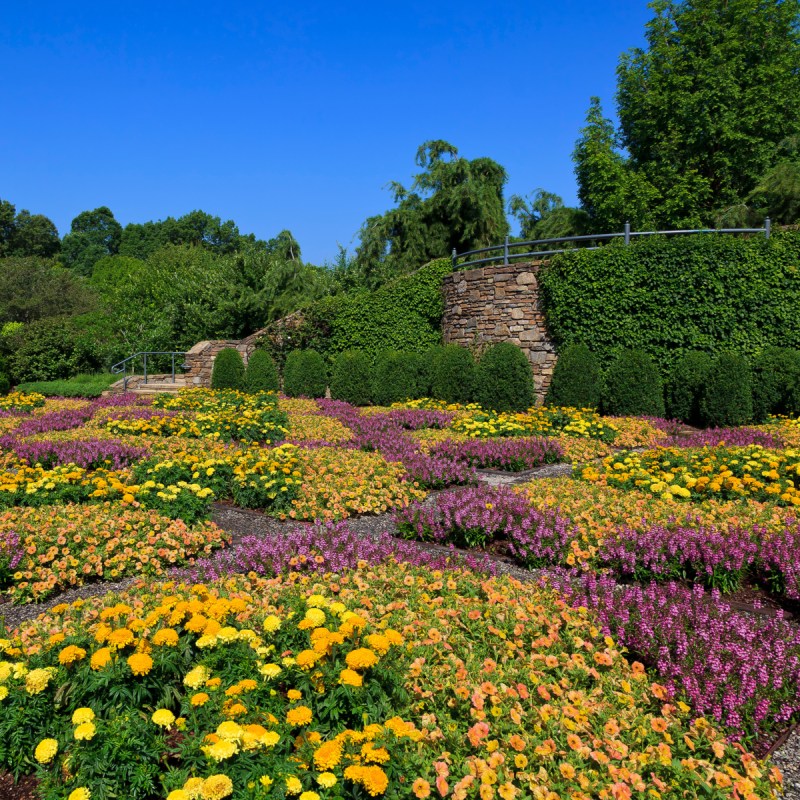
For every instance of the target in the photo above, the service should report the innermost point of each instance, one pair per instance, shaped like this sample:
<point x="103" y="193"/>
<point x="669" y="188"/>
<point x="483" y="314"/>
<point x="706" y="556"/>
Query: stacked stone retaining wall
<point x="500" y="304"/>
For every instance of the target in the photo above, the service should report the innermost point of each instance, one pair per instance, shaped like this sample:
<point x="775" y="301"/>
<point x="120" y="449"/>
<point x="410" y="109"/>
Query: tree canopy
<point x="702" y="111"/>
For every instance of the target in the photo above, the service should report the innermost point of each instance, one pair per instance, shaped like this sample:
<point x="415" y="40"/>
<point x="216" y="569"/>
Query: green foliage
<point x="702" y="111"/>
<point x="33" y="288"/>
<point x="396" y="377"/>
<point x="576" y="379"/>
<point x="427" y="366"/>
<point x="403" y="315"/>
<point x="5" y="383"/>
<point x="50" y="349"/>
<point x="261" y="374"/>
<point x="228" y="371"/>
<point x="24" y="234"/>
<point x="633" y="386"/>
<point x="94" y="235"/>
<point x="685" y="386"/>
<point x="304" y="374"/>
<point x="91" y="385"/>
<point x="351" y="378"/>
<point x="503" y="379"/>
<point x="727" y="398"/>
<point x="671" y="296"/>
<point x="776" y="383"/>
<point x="453" y="376"/>
<point x="452" y="203"/>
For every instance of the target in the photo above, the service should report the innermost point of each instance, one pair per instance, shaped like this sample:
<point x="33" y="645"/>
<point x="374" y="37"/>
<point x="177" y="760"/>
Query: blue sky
<point x="291" y="115"/>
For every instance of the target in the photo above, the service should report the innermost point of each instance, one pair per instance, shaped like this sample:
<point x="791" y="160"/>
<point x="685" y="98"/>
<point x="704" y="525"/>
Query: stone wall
<point x="200" y="359"/>
<point x="500" y="304"/>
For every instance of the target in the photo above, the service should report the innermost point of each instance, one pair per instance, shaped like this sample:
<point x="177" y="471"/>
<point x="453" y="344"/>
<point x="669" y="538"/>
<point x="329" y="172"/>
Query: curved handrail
<point x="121" y="367"/>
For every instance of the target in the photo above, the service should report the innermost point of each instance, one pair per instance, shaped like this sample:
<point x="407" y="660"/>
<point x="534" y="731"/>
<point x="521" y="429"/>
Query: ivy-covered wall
<point x="666" y="295"/>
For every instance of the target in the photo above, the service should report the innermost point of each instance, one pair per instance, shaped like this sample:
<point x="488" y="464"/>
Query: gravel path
<point x="240" y="522"/>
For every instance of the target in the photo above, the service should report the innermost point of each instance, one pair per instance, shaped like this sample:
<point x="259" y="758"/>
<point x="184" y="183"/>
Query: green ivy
<point x="669" y="296"/>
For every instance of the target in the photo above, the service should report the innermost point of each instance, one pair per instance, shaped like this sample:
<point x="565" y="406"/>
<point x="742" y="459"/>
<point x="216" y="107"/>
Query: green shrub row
<point x="671" y="296"/>
<point x="711" y="391"/>
<point x="229" y="372"/>
<point x="92" y="385"/>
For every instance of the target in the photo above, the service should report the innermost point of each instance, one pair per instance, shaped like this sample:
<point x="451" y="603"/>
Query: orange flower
<point x="140" y="663"/>
<point x="421" y="788"/>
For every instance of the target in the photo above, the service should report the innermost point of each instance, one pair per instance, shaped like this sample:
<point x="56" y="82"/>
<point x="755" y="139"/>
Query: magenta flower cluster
<point x="731" y="437"/>
<point x="10" y="556"/>
<point x="514" y="455"/>
<point x="329" y="547"/>
<point x="89" y="454"/>
<point x="381" y="433"/>
<point x="476" y="517"/>
<point x="414" y="419"/>
<point x="741" y="669"/>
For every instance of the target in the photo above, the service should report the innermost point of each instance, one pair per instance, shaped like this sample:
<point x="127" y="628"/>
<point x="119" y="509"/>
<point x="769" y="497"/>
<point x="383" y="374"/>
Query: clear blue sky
<point x="291" y="115"/>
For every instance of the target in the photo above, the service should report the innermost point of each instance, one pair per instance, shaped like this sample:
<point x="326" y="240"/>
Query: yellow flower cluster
<point x="545" y="706"/>
<point x="21" y="401"/>
<point x="720" y="472"/>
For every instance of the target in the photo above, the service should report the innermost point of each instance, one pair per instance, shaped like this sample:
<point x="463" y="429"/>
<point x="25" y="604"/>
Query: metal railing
<point x="121" y="368"/>
<point x="504" y="250"/>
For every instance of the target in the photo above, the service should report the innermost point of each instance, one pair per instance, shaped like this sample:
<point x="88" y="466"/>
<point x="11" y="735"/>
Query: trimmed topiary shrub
<point x="228" y="370"/>
<point x="503" y="379"/>
<point x="685" y="387"/>
<point x="261" y="374"/>
<point x="453" y="374"/>
<point x="727" y="398"/>
<point x="396" y="377"/>
<point x="576" y="379"/>
<point x="305" y="374"/>
<point x="5" y="383"/>
<point x="776" y="383"/>
<point x="633" y="386"/>
<point x="351" y="378"/>
<point x="427" y="365"/>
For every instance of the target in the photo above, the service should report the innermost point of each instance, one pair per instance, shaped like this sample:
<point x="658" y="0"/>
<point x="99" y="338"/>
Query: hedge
<point x="396" y="377"/>
<point x="727" y="398"/>
<point x="404" y="315"/>
<point x="633" y="386"/>
<point x="351" y="378"/>
<point x="453" y="375"/>
<point x="668" y="296"/>
<point x="228" y="370"/>
<point x="261" y="374"/>
<point x="503" y="379"/>
<point x="576" y="379"/>
<point x="304" y="374"/>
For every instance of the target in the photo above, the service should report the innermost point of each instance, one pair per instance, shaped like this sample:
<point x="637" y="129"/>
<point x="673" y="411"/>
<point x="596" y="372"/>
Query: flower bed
<point x="43" y="551"/>
<point x="255" y="688"/>
<point x="20" y="402"/>
<point x="718" y="472"/>
<point x="514" y="455"/>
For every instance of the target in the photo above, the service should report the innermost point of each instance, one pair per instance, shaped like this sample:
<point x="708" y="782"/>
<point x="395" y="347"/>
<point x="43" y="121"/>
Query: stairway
<point x="156" y="384"/>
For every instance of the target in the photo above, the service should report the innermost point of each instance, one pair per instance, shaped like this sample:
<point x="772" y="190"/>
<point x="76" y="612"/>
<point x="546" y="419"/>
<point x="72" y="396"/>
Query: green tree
<point x="702" y="110"/>
<point x="94" y="235"/>
<point x="544" y="216"/>
<point x="24" y="234"/>
<point x="453" y="202"/>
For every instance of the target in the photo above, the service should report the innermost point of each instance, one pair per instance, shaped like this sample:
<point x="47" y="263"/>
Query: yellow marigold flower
<point x="196" y="677"/>
<point x="271" y="623"/>
<point x="167" y="637"/>
<point x="36" y="680"/>
<point x="216" y="787"/>
<point x="270" y="671"/>
<point x="163" y="717"/>
<point x="326" y="780"/>
<point x="70" y="654"/>
<point x="193" y="787"/>
<point x="46" y="751"/>
<point x="221" y="750"/>
<point x="328" y="755"/>
<point x="298" y="716"/>
<point x="85" y="731"/>
<point x="120" y="638"/>
<point x="81" y="715"/>
<point x="316" y="616"/>
<point x="378" y="643"/>
<point x="199" y="699"/>
<point x="5" y="669"/>
<point x="81" y="793"/>
<point x="230" y="730"/>
<point x="269" y="739"/>
<point x="179" y="794"/>
<point x="140" y="663"/>
<point x="265" y="781"/>
<point x="373" y="779"/>
<point x="349" y="677"/>
<point x="3" y="692"/>
<point x="100" y="658"/>
<point x="362" y="658"/>
<point x="309" y="796"/>
<point x="294" y="694"/>
<point x="293" y="785"/>
<point x="307" y="658"/>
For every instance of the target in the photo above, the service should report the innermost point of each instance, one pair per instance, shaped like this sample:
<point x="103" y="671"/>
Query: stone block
<point x="526" y="279"/>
